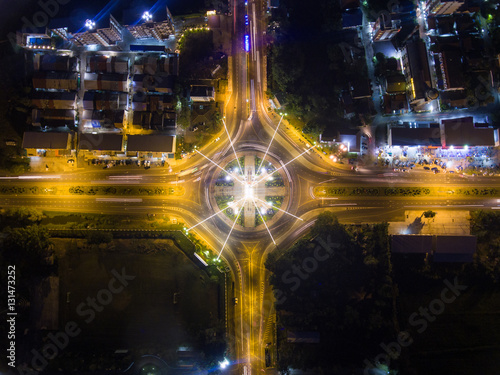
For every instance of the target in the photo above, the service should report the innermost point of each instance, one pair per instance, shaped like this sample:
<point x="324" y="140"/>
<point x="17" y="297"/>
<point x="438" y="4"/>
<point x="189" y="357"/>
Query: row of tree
<point x="337" y="282"/>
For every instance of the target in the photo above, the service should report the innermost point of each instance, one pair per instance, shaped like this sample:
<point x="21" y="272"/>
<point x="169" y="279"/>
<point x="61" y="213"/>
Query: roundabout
<point x="250" y="191"/>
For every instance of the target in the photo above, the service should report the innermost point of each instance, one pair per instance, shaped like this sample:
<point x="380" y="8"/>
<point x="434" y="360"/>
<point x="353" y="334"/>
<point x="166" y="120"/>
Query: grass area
<point x="143" y="318"/>
<point x="223" y="201"/>
<point x="91" y="190"/>
<point x="277" y="201"/>
<point x="324" y="191"/>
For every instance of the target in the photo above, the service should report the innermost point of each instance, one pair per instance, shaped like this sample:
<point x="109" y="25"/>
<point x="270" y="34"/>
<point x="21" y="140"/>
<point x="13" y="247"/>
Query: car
<point x="426" y="168"/>
<point x="436" y="171"/>
<point x="71" y="161"/>
<point x="404" y="170"/>
<point x="396" y="169"/>
<point x="235" y="300"/>
<point x="451" y="171"/>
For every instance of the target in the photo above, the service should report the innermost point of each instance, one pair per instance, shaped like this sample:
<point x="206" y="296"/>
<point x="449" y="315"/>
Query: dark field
<point x="142" y="317"/>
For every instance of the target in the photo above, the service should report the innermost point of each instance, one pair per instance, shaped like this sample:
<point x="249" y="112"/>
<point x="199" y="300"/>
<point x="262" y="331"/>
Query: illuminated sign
<point x="247" y="43"/>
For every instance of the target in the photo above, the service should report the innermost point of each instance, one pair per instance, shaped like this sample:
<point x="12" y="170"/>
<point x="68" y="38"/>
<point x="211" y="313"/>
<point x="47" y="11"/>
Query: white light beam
<point x="231" y="142"/>
<point x="268" y="231"/>
<point x="286" y="212"/>
<point x="210" y="160"/>
<point x="284" y="165"/>
<point x="229" y="234"/>
<point x="275" y="131"/>
<point x="211" y="216"/>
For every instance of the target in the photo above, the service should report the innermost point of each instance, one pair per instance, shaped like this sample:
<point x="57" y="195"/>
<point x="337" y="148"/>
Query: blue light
<point x="247" y="43"/>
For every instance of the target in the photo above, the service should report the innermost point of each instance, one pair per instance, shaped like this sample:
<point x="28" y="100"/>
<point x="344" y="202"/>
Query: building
<point x="409" y="137"/>
<point x="161" y="31"/>
<point x="351" y="138"/>
<point x="454" y="249"/>
<point x="102" y="119"/>
<point x="461" y="132"/>
<point x="53" y="100"/>
<point x="106" y="82"/>
<point x="100" y="143"/>
<point x="103" y="37"/>
<point x="53" y="118"/>
<point x="104" y="101"/>
<point x="361" y="88"/>
<point x="444" y="248"/>
<point x="444" y="7"/>
<point x="153" y="83"/>
<point x="161" y="146"/>
<point x="54" y="63"/>
<point x="55" y="81"/>
<point x="396" y="104"/>
<point x="385" y="28"/>
<point x="352" y="18"/>
<point x="38" y="39"/>
<point x="411" y="244"/>
<point x="105" y="64"/>
<point x="454" y="98"/>
<point x="395" y="84"/>
<point x="47" y="143"/>
<point x="417" y="73"/>
<point x="452" y="73"/>
<point x="200" y="94"/>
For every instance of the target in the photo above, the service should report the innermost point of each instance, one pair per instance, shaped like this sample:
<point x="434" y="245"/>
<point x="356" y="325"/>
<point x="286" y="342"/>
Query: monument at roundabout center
<point x="250" y="190"/>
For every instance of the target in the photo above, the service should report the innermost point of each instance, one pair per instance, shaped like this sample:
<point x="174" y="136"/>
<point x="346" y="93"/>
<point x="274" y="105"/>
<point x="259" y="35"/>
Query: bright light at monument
<point x="223" y="364"/>
<point x="228" y="178"/>
<point x="89" y="24"/>
<point x="147" y="16"/>
<point x="248" y="192"/>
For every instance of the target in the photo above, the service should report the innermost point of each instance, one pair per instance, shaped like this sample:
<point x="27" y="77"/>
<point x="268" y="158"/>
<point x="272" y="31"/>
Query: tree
<point x="429" y="214"/>
<point x="29" y="249"/>
<point x="20" y="217"/>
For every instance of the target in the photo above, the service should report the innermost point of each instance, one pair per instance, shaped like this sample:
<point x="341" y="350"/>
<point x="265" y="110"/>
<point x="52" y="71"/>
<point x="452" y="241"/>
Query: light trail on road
<point x="284" y="165"/>
<point x="270" y="142"/>
<point x="211" y="216"/>
<point x="232" y="145"/>
<point x="229" y="234"/>
<point x="262" y="218"/>
<point x="271" y="205"/>
<point x="217" y="165"/>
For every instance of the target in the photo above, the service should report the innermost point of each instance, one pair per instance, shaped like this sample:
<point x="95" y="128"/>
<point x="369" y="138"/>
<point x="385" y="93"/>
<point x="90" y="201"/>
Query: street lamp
<point x="89" y="24"/>
<point x="223" y="364"/>
<point x="146" y="16"/>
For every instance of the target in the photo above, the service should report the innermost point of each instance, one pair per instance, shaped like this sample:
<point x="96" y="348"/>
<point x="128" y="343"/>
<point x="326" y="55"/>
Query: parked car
<point x="426" y="168"/>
